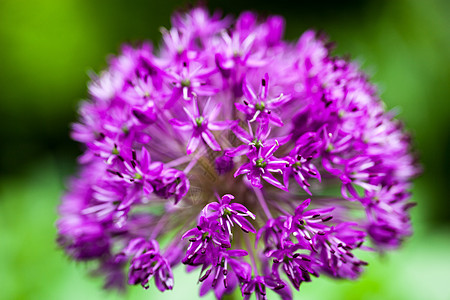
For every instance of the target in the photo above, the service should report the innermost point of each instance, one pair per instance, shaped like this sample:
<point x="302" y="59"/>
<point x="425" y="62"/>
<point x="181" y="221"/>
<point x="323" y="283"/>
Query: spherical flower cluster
<point x="238" y="154"/>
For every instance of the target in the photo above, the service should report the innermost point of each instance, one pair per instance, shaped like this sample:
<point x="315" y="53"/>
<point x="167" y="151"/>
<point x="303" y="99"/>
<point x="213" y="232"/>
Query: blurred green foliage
<point x="48" y="46"/>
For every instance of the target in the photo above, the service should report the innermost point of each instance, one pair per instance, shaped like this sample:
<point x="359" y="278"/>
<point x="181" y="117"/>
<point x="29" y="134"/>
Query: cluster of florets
<point x="247" y="155"/>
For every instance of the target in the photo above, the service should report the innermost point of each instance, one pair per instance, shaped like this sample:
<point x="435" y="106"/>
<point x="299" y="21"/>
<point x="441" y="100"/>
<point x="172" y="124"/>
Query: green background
<point x="47" y="47"/>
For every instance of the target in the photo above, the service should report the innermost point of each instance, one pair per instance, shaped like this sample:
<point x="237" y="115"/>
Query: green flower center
<point x="260" y="106"/>
<point x="258" y="144"/>
<point x="260" y="163"/>
<point x="199" y="121"/>
<point x="185" y="83"/>
<point x="115" y="151"/>
<point x="205" y="235"/>
<point x="226" y="212"/>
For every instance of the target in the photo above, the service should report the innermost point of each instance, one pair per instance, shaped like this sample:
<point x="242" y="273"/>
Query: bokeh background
<point x="47" y="48"/>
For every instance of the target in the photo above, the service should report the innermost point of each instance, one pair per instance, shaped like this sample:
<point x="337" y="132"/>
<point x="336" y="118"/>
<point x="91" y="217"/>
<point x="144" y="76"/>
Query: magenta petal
<point x="273" y="181"/>
<point x="145" y="160"/>
<point x="146" y="116"/>
<point x="241" y="107"/>
<point x="349" y="187"/>
<point x="219" y="125"/>
<point x="177" y="92"/>
<point x="240" y="208"/>
<point x="209" y="139"/>
<point x="242" y="134"/>
<point x="264" y="90"/>
<point x="148" y="189"/>
<point x="237" y="252"/>
<point x="155" y="168"/>
<point x="226" y="199"/>
<point x="181" y="125"/>
<point x="206" y="90"/>
<point x="193" y="143"/>
<point x="244" y="224"/>
<point x="299" y="210"/>
<point x="238" y="151"/>
<point x="247" y="90"/>
<point x="282" y="140"/>
<point x="303" y="183"/>
<point x="211" y="110"/>
<point x="206" y="72"/>
<point x="272" y="150"/>
<point x="286" y="176"/>
<point x="193" y="231"/>
<point x="244" y="169"/>
<point x="205" y="288"/>
<point x="143" y="138"/>
<point x="255" y="181"/>
<point x="276" y="119"/>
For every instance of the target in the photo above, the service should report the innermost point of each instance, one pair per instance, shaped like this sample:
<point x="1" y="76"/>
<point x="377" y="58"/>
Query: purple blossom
<point x="146" y="263"/>
<point x="222" y="265"/>
<point x="388" y="215"/>
<point x="261" y="164"/>
<point x="205" y="240"/>
<point x="315" y="127"/>
<point x="224" y="164"/>
<point x="140" y="171"/>
<point x="236" y="51"/>
<point x="200" y="22"/>
<point x="335" y="248"/>
<point x="171" y="183"/>
<point x="190" y="80"/>
<point x="298" y="267"/>
<point x="300" y="165"/>
<point x="260" y="107"/>
<point x="254" y="140"/>
<point x="258" y="285"/>
<point x="229" y="214"/>
<point x="200" y="126"/>
<point x="83" y="239"/>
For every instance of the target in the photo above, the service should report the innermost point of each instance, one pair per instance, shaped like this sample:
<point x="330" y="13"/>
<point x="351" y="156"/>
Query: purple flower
<point x="360" y="170"/>
<point x="305" y="225"/>
<point x="258" y="284"/>
<point x="388" y="215"/>
<point x="259" y="107"/>
<point x="229" y="214"/>
<point x="166" y="131"/>
<point x="140" y="172"/>
<point x="190" y="80"/>
<point x="82" y="239"/>
<point x="206" y="237"/>
<point x="224" y="164"/>
<point x="221" y="265"/>
<point x="298" y="267"/>
<point x="200" y="126"/>
<point x="335" y="248"/>
<point x="261" y="164"/>
<point x="254" y="140"/>
<point x="146" y="263"/>
<point x="171" y="183"/>
<point x="236" y="51"/>
<point x="199" y="22"/>
<point x="305" y="244"/>
<point x="300" y="164"/>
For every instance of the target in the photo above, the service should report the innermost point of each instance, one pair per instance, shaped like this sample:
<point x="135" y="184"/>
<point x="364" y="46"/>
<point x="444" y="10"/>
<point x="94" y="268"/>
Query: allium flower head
<point x="219" y="152"/>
